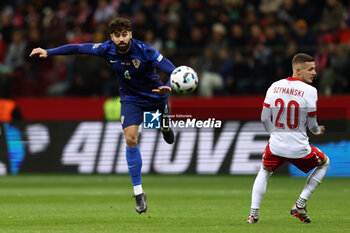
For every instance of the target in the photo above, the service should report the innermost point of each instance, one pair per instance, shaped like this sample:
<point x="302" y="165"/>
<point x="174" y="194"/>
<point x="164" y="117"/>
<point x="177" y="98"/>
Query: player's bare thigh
<point x="130" y="134"/>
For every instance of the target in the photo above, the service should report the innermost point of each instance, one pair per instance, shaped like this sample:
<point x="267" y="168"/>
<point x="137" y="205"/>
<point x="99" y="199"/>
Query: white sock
<point x="254" y="212"/>
<point x="314" y="180"/>
<point x="138" y="189"/>
<point x="301" y="203"/>
<point x="259" y="188"/>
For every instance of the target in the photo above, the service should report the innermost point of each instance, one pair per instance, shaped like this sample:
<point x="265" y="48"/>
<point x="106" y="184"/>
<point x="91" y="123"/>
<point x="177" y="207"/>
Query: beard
<point x="122" y="47"/>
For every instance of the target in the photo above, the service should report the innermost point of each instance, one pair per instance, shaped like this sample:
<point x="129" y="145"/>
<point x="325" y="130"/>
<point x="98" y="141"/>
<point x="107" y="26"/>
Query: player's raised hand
<point x="42" y="52"/>
<point x="162" y="90"/>
<point x="323" y="129"/>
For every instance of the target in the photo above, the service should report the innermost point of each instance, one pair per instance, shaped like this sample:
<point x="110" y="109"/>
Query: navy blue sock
<point x="134" y="160"/>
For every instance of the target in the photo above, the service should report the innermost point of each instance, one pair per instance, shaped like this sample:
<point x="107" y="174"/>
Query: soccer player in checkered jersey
<point x="290" y="106"/>
<point x="134" y="64"/>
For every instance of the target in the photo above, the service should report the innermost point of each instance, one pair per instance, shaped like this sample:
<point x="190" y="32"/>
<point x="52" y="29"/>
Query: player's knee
<point x="131" y="141"/>
<point x="325" y="162"/>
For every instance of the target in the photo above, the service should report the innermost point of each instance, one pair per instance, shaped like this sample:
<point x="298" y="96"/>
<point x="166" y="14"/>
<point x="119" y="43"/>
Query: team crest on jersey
<point x="136" y="62"/>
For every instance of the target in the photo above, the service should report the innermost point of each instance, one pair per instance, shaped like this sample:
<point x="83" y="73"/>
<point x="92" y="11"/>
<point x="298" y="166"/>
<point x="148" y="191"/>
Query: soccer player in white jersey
<point x="290" y="106"/>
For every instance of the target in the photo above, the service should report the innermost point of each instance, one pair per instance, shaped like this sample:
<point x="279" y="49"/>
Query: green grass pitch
<point x="186" y="203"/>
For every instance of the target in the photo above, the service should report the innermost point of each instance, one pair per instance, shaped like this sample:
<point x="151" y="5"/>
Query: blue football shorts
<point x="132" y="113"/>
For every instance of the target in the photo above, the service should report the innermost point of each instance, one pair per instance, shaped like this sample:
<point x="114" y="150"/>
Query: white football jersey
<point x="291" y="101"/>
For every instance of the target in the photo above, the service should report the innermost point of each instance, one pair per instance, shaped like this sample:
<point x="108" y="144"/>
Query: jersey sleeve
<point x="266" y="119"/>
<point x="312" y="103"/>
<point x="152" y="55"/>
<point x="159" y="61"/>
<point x="100" y="49"/>
<point x="267" y="100"/>
<point x="87" y="48"/>
<point x="313" y="125"/>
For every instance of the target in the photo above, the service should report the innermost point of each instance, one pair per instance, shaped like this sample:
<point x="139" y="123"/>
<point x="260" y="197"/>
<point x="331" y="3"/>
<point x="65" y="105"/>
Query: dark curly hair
<point x="119" y="24"/>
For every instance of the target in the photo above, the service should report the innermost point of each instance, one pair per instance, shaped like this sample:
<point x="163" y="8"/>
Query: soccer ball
<point x="184" y="80"/>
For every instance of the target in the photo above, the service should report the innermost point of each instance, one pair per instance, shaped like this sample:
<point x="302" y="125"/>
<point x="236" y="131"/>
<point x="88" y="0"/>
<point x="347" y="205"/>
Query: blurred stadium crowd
<point x="236" y="46"/>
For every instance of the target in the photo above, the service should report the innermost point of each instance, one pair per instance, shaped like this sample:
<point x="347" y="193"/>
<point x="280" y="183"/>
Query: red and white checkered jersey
<point x="291" y="101"/>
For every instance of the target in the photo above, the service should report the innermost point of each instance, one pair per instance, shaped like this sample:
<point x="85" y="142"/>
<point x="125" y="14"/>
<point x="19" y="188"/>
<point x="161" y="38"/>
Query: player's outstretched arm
<point x="42" y="52"/>
<point x="162" y="90"/>
<point x="87" y="48"/>
<point x="167" y="67"/>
